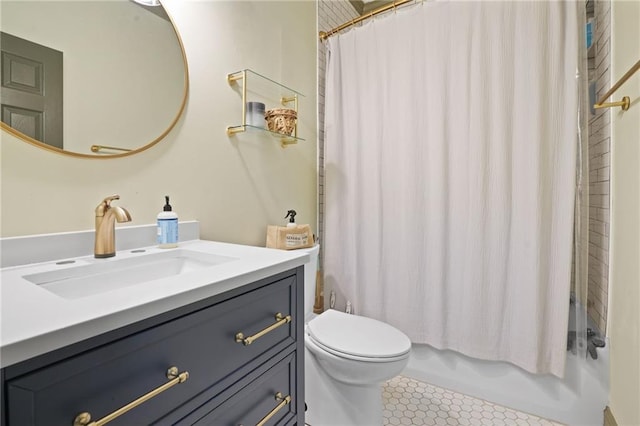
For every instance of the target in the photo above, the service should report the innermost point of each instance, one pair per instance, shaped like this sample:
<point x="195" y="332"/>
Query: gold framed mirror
<point x="123" y="77"/>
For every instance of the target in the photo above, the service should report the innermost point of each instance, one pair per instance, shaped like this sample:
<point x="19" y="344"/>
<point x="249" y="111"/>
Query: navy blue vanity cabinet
<point x="242" y="350"/>
<point x="266" y="394"/>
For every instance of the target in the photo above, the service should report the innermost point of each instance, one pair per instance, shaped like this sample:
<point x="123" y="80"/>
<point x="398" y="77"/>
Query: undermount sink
<point x="102" y="276"/>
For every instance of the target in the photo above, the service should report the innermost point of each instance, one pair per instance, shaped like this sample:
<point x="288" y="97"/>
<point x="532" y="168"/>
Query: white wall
<point x="624" y="310"/>
<point x="131" y="51"/>
<point x="234" y="186"/>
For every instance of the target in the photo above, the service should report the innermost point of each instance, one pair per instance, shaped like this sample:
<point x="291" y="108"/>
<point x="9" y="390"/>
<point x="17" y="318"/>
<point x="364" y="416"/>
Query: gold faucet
<point x="106" y="216"/>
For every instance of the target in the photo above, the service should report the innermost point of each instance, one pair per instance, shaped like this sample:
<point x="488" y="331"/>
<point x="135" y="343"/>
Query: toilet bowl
<point x="356" y="350"/>
<point x="347" y="358"/>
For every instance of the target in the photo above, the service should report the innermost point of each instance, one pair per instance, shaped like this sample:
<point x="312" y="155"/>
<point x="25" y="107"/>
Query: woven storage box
<point x="281" y="120"/>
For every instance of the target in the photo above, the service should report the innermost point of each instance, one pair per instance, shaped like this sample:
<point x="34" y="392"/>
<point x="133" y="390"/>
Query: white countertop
<point x="34" y="320"/>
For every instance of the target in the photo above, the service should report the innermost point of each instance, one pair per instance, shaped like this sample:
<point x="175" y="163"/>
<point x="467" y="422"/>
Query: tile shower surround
<point x="599" y="171"/>
<point x="331" y="13"/>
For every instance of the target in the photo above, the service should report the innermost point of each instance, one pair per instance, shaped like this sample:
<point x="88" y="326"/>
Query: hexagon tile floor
<point x="410" y="402"/>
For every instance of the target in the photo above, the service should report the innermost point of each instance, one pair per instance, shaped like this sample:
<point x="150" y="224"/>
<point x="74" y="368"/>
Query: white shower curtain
<point x="450" y="132"/>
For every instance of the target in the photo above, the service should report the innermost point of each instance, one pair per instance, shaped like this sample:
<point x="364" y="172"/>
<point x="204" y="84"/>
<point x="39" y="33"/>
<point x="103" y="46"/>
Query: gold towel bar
<point x="625" y="102"/>
<point x="84" y="419"/>
<point x="280" y="320"/>
<point x="98" y="148"/>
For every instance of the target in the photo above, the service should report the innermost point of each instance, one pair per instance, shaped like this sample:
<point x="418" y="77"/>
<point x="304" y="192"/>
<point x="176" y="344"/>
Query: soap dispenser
<point x="167" y="226"/>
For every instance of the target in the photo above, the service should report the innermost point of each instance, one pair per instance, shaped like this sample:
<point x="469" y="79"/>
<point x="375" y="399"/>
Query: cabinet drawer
<point x="268" y="394"/>
<point x="203" y="343"/>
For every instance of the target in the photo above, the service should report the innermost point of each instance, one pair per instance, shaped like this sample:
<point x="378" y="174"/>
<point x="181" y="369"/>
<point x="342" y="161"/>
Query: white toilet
<point x="347" y="358"/>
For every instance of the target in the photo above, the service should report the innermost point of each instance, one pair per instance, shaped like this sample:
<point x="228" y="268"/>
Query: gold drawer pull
<point x="84" y="419"/>
<point x="283" y="401"/>
<point x="280" y="320"/>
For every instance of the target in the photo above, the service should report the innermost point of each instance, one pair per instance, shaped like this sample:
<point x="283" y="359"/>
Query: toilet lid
<point x="357" y="336"/>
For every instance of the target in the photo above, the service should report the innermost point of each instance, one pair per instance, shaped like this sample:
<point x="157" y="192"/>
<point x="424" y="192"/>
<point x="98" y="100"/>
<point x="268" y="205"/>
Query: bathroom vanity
<point x="221" y="344"/>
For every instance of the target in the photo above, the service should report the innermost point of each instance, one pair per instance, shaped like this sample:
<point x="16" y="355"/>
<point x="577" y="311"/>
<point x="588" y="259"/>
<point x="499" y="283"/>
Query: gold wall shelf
<point x="287" y="97"/>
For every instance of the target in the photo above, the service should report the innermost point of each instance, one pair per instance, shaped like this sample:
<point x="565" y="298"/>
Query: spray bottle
<point x="291" y="214"/>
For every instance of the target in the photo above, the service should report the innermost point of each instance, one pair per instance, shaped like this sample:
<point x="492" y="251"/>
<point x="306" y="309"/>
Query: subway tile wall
<point x="599" y="170"/>
<point x="331" y="13"/>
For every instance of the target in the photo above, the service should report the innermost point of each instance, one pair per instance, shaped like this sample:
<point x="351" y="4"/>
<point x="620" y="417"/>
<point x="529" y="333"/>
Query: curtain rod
<point x="324" y="35"/>
<point x="624" y="103"/>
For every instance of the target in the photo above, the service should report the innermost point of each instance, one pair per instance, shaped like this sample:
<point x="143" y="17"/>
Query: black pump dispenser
<point x="167" y="226"/>
<point x="167" y="206"/>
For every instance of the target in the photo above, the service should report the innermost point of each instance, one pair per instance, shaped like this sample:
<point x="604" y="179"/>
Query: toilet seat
<point x="358" y="338"/>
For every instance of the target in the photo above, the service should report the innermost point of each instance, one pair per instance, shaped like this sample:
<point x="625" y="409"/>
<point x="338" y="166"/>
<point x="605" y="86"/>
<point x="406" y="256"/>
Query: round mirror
<point x="98" y="79"/>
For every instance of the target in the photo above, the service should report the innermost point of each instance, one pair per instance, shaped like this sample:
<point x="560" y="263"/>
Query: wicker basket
<point x="281" y="120"/>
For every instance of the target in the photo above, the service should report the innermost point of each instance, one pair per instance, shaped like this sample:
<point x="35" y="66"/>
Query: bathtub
<point x="578" y="399"/>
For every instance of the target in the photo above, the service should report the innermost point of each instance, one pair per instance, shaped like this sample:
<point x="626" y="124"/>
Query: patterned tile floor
<point x="410" y="402"/>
